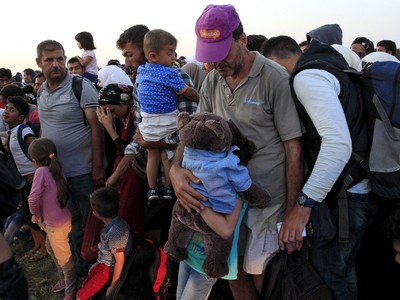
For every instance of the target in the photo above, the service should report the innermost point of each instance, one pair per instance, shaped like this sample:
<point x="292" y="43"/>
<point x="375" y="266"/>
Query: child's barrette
<point x="51" y="155"/>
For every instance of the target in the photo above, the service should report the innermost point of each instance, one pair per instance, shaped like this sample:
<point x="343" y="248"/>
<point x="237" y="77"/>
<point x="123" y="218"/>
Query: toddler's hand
<point x="36" y="219"/>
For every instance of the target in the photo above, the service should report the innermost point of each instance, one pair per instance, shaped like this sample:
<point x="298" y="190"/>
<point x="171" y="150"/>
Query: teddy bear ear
<point x="215" y="127"/>
<point x="182" y="120"/>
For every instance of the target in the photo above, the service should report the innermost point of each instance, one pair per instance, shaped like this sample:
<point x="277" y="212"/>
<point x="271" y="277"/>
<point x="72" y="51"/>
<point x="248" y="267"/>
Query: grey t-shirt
<point x="62" y="121"/>
<point x="264" y="111"/>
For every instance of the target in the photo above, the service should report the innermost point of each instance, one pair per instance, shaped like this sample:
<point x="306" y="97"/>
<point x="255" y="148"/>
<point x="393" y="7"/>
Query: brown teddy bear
<point x="208" y="153"/>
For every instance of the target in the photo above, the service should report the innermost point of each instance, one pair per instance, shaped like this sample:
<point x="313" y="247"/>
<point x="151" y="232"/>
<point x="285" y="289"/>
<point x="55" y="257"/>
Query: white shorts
<point x="155" y="127"/>
<point x="258" y="239"/>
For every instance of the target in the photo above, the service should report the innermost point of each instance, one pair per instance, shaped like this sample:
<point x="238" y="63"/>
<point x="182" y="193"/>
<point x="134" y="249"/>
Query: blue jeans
<point x="78" y="204"/>
<point x="193" y="285"/>
<point x="335" y="260"/>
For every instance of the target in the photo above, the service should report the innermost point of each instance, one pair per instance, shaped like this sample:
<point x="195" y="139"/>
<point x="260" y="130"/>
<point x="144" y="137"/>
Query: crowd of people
<point x="76" y="151"/>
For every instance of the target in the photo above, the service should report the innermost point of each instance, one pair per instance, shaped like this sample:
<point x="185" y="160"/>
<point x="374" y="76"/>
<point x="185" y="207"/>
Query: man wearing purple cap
<point x="254" y="93"/>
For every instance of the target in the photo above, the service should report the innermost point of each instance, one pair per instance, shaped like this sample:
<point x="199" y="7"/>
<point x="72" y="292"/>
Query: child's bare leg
<point x="153" y="161"/>
<point x="167" y="166"/>
<point x="167" y="191"/>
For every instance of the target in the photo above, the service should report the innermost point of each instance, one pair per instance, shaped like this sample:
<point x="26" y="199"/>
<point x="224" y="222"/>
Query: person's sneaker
<point x="59" y="286"/>
<point x="153" y="196"/>
<point x="167" y="194"/>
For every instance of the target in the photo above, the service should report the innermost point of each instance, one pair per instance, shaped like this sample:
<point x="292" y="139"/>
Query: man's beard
<point x="232" y="69"/>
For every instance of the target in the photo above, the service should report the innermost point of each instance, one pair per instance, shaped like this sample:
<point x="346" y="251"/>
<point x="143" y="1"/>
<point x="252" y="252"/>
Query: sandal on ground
<point x="39" y="255"/>
<point x="28" y="254"/>
<point x="59" y="286"/>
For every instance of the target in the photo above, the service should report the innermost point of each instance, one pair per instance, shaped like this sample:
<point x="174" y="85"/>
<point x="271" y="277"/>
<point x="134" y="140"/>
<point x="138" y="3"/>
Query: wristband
<point x="304" y="200"/>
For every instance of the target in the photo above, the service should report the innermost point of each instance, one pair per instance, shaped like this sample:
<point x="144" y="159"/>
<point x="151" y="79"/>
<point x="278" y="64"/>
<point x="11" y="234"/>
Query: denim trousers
<point x="193" y="285"/>
<point x="78" y="204"/>
<point x="57" y="244"/>
<point x="335" y="260"/>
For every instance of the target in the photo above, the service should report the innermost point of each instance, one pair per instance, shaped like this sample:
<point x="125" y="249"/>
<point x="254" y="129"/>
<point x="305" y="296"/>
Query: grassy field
<point x="41" y="275"/>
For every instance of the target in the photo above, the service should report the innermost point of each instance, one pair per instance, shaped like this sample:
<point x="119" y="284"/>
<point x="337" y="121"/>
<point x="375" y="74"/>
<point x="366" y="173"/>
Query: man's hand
<point x="290" y="235"/>
<point x="161" y="144"/>
<point x="187" y="196"/>
<point x="36" y="219"/>
<point x="99" y="176"/>
<point x="29" y="177"/>
<point x="109" y="290"/>
<point x="113" y="181"/>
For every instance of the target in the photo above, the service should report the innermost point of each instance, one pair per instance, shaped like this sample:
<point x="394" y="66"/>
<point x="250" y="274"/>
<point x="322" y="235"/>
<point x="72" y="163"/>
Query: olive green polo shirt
<point x="264" y="111"/>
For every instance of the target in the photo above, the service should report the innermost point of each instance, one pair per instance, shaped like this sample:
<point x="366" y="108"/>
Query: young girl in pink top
<point x="47" y="203"/>
<point x="88" y="59"/>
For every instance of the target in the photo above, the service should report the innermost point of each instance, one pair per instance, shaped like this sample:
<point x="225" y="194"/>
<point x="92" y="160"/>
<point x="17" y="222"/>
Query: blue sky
<point x="26" y="23"/>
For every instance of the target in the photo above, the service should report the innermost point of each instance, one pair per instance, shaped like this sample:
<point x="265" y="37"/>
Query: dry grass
<point x="41" y="275"/>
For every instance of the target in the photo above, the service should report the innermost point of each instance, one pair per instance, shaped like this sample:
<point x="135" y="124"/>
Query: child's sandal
<point x="39" y="255"/>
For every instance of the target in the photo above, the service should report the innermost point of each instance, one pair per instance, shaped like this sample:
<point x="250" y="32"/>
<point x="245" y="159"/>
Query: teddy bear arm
<point x="179" y="237"/>
<point x="217" y="252"/>
<point x="256" y="196"/>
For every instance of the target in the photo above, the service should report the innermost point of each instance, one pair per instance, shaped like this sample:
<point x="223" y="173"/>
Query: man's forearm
<point x="124" y="164"/>
<point x="97" y="146"/>
<point x="294" y="169"/>
<point x="178" y="157"/>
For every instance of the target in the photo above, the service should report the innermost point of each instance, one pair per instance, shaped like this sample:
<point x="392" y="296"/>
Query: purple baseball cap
<point x="214" y="31"/>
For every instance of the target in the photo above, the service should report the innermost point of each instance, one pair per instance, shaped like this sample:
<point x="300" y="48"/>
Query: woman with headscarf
<point x="116" y="102"/>
<point x="113" y="74"/>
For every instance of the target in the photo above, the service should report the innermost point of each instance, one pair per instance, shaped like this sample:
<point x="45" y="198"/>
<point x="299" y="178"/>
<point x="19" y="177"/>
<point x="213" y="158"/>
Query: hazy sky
<point x="27" y="23"/>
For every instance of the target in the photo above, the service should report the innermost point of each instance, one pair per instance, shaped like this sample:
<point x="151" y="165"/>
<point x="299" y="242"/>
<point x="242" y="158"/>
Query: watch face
<point x="302" y="199"/>
<point x="305" y="201"/>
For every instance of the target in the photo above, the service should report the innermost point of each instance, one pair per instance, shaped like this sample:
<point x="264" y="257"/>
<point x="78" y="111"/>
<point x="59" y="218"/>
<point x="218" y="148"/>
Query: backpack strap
<point x="3" y="150"/>
<point x="21" y="142"/>
<point x="77" y="87"/>
<point x="343" y="209"/>
<point x="385" y="119"/>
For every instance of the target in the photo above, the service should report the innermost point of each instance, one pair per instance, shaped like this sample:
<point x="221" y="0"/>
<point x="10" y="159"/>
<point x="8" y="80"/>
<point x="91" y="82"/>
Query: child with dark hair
<point x="32" y="117"/>
<point x="47" y="203"/>
<point x="159" y="84"/>
<point x="115" y="245"/>
<point x="88" y="59"/>
<point x="14" y="90"/>
<point x="392" y="231"/>
<point x="19" y="138"/>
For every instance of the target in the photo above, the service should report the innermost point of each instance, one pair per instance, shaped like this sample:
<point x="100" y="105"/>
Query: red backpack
<point x="146" y="274"/>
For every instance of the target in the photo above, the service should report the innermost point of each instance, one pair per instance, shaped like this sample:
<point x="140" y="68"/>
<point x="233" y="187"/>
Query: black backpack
<point x="77" y="86"/>
<point x="11" y="184"/>
<point x="292" y="277"/>
<point x="146" y="274"/>
<point x="380" y="82"/>
<point x="371" y="102"/>
<point x="324" y="57"/>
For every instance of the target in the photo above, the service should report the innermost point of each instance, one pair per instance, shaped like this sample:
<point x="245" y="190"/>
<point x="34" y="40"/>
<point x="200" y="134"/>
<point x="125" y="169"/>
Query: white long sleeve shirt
<point x="318" y="91"/>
